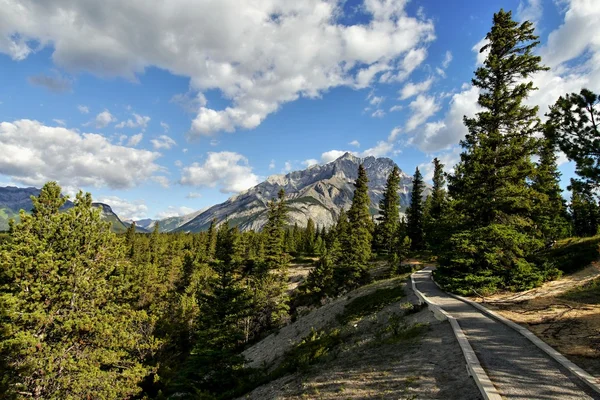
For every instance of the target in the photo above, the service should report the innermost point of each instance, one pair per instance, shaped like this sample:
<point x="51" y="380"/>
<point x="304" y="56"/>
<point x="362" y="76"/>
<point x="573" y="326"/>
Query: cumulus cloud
<point x="125" y="209"/>
<point x="530" y="10"/>
<point x="394" y="134"/>
<point x="32" y="154"/>
<point x="138" y="121"/>
<point x="272" y="164"/>
<point x="163" y="142"/>
<point x="333" y="155"/>
<point x="83" y="109"/>
<point x="227" y="170"/>
<point x="354" y="143"/>
<point x="135" y="139"/>
<point x="193" y="195"/>
<point x="481" y="55"/>
<point x="258" y="55"/>
<point x="423" y="107"/>
<point x="103" y="119"/>
<point x="396" y="108"/>
<point x="162" y="181"/>
<point x="382" y="148"/>
<point x="190" y="102"/>
<point x="55" y="83"/>
<point x="378" y="114"/>
<point x="412" y="89"/>
<point x="172" y="211"/>
<point x="287" y="166"/>
<point x="310" y="162"/>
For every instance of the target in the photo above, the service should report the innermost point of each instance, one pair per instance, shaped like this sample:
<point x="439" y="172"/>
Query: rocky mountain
<point x="14" y="199"/>
<point x="319" y="192"/>
<point x="166" y="224"/>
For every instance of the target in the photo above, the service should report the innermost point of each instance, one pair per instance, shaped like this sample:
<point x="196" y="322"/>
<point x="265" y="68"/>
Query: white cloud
<point x="412" y="89"/>
<point x="287" y="166"/>
<point x="481" y="55"/>
<point x="138" y="121"/>
<point x="83" y="109"/>
<point x="272" y="164"/>
<point x="394" y="134"/>
<point x="333" y="155"/>
<point x="32" y="154"/>
<point x="440" y="72"/>
<point x="376" y="100"/>
<point x="396" y="108"/>
<point x="214" y="142"/>
<point x="448" y="158"/>
<point x="258" y="54"/>
<point x="103" y="119"/>
<point x="530" y="10"/>
<point x="423" y="107"/>
<point x="172" y="211"/>
<point x="178" y="163"/>
<point x="193" y="195"/>
<point x="354" y="143"/>
<point x="162" y="181"/>
<point x="228" y="170"/>
<point x="382" y="148"/>
<point x="163" y="142"/>
<point x="60" y="122"/>
<point x="310" y="162"/>
<point x="164" y="126"/>
<point x="378" y="114"/>
<point x="190" y="102"/>
<point x="135" y="140"/>
<point x="447" y="59"/>
<point x="449" y="131"/>
<point x="125" y="209"/>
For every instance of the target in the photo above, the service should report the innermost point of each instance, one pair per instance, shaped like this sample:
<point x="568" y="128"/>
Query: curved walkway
<point x="518" y="369"/>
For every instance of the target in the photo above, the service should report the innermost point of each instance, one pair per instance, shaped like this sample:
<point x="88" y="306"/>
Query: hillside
<point x="319" y="192"/>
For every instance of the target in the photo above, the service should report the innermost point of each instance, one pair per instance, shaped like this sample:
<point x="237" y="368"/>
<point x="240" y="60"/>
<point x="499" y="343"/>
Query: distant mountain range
<point x="14" y="199"/>
<point x="319" y="192"/>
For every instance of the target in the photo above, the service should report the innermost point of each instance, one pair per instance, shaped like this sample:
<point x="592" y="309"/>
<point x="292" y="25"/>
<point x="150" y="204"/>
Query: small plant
<point x="370" y="303"/>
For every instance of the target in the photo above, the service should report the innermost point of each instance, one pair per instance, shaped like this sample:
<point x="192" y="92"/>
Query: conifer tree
<point x="389" y="212"/>
<point x="211" y="243"/>
<point x="434" y="208"/>
<point x="309" y="237"/>
<point x="495" y="234"/>
<point x="66" y="329"/>
<point x="130" y="239"/>
<point x="356" y="242"/>
<point x="415" y="230"/>
<point x="550" y="210"/>
<point x="585" y="212"/>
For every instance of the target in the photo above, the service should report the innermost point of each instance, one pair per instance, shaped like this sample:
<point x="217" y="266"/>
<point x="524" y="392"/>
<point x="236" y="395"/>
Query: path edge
<point x="576" y="370"/>
<point x="474" y="368"/>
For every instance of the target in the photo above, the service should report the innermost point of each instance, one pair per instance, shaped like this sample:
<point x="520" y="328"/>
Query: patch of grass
<point x="572" y="254"/>
<point x="587" y="294"/>
<point x="370" y="303"/>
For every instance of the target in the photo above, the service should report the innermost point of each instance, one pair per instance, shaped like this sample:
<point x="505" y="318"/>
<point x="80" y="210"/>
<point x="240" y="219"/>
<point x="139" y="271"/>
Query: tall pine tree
<point x="389" y="213"/>
<point x="495" y="234"/>
<point x="414" y="227"/>
<point x="435" y="207"/>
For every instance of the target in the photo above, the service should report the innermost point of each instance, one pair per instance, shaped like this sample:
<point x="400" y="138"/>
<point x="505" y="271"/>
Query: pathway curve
<point x="518" y="369"/>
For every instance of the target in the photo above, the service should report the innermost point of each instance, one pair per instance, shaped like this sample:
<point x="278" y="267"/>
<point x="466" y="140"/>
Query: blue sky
<point x="162" y="108"/>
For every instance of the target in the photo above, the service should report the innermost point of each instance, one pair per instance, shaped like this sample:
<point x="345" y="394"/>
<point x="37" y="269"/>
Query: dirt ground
<point x="569" y="324"/>
<point x="430" y="366"/>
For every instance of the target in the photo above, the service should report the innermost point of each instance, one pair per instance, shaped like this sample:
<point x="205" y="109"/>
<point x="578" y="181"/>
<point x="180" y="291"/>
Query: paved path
<point x="518" y="369"/>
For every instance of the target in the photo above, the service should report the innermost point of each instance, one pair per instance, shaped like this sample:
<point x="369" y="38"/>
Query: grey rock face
<point x="318" y="192"/>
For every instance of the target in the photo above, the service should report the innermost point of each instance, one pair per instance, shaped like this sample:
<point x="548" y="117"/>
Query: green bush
<point x="370" y="303"/>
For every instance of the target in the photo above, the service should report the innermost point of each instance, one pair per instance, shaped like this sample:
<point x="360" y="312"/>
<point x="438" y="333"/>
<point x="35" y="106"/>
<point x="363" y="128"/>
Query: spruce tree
<point x="66" y="328"/>
<point x="309" y="237"/>
<point x="415" y="230"/>
<point x="356" y="243"/>
<point x="211" y="243"/>
<point x="496" y="235"/>
<point x="585" y="213"/>
<point x="435" y="207"/>
<point x="389" y="212"/>
<point x="550" y="210"/>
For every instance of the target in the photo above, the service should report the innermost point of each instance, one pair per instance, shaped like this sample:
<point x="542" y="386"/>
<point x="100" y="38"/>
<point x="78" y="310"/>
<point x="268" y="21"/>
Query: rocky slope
<point x="319" y="192"/>
<point x="14" y="199"/>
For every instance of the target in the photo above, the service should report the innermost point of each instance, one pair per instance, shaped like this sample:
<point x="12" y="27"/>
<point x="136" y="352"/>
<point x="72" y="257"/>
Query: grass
<point x="587" y="294"/>
<point x="572" y="254"/>
<point x="370" y="303"/>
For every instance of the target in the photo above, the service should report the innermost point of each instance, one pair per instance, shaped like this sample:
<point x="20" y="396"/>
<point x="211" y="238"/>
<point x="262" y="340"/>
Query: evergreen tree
<point x="495" y="234"/>
<point x="573" y="124"/>
<point x="389" y="212"/>
<point x="356" y="241"/>
<point x="550" y="210"/>
<point x="415" y="230"/>
<point x="585" y="212"/>
<point x="435" y="207"/>
<point x="309" y="237"/>
<point x="211" y="244"/>
<point x="130" y="239"/>
<point x="66" y="328"/>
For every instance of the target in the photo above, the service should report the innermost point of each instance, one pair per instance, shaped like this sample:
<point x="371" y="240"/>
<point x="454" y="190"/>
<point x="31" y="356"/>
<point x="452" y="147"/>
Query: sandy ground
<point x="430" y="366"/>
<point x="572" y="327"/>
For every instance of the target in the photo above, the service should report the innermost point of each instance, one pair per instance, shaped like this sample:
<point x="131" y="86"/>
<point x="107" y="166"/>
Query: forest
<point x="156" y="316"/>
